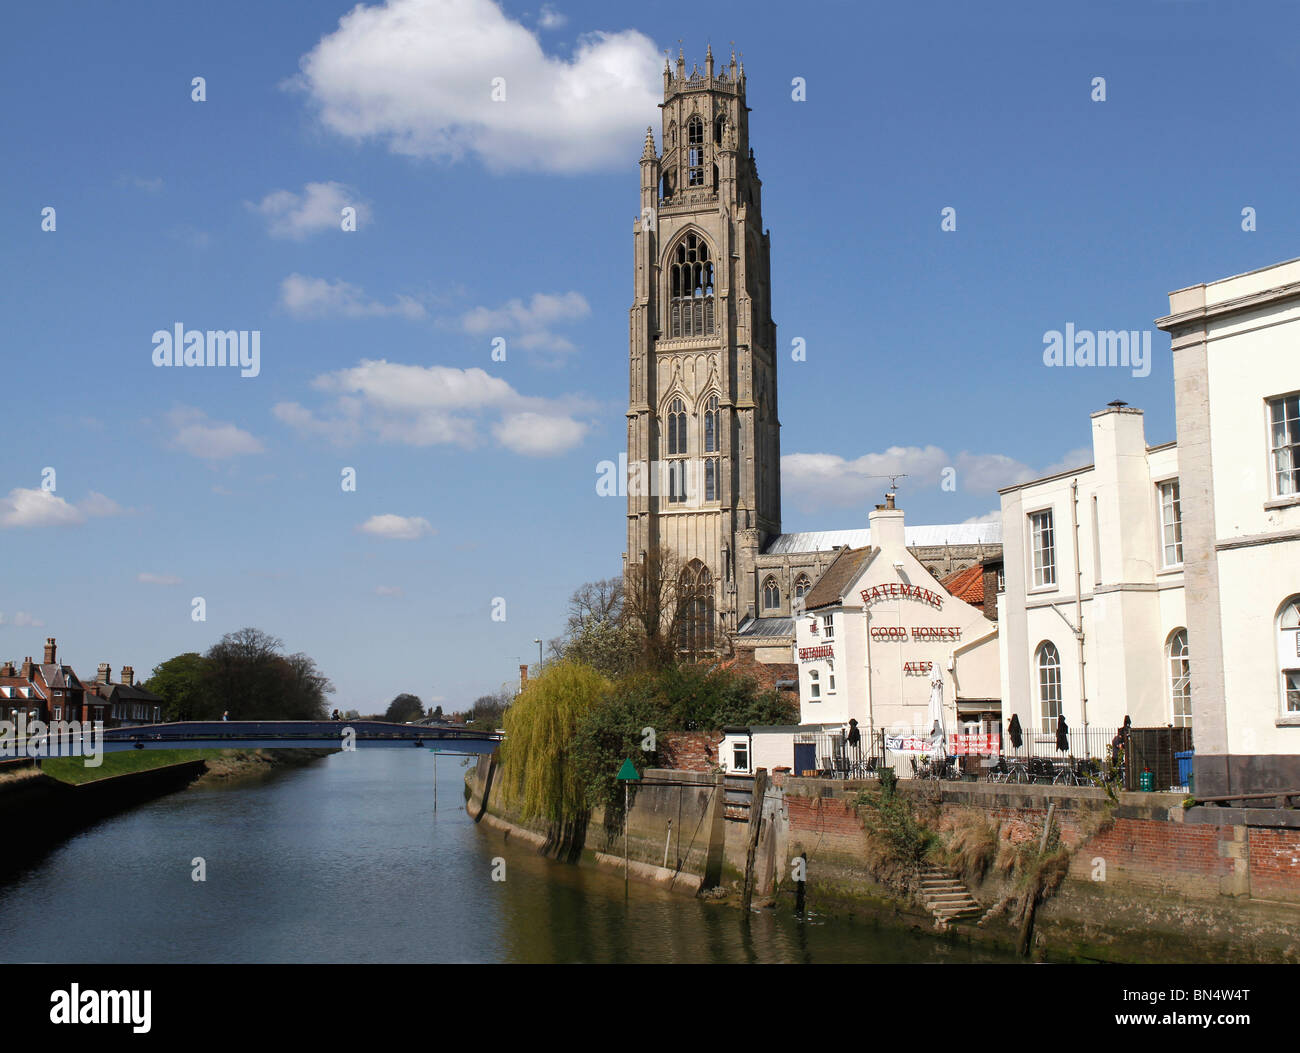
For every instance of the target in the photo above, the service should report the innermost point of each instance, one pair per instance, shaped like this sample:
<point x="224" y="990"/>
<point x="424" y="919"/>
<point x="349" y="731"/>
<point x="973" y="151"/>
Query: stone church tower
<point x="702" y="428"/>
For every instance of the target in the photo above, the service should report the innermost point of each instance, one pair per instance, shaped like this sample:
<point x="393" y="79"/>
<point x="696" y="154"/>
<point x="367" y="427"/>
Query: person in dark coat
<point x="1013" y="731"/>
<point x="1119" y="744"/>
<point x="1062" y="734"/>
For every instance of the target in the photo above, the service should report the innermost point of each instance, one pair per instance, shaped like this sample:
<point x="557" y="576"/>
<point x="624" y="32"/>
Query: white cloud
<point x="306" y="297"/>
<point x="146" y="578"/>
<point x="97" y="505"/>
<point x="22" y="619"/>
<point x="1075" y="459"/>
<point x="41" y="508"/>
<point x="319" y="207"/>
<point x="418" y="75"/>
<point x="396" y="528"/>
<point x="388" y="590"/>
<point x="828" y="480"/>
<point x="529" y="324"/>
<point x="988" y="517"/>
<point x="198" y="435"/>
<point x="537" y="435"/>
<point x="433" y="405"/>
<point x="550" y="18"/>
<point x="151" y="186"/>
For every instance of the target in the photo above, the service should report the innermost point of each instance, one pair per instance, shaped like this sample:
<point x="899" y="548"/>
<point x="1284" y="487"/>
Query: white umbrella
<point x="937" y="737"/>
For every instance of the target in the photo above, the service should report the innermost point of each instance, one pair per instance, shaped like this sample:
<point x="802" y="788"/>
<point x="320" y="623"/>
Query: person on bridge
<point x="225" y="715"/>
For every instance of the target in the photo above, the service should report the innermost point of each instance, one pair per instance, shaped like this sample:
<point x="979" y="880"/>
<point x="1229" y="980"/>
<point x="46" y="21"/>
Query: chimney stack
<point x="128" y="675"/>
<point x="105" y="674"/>
<point x="50" y="650"/>
<point x="27" y="668"/>
<point x="8" y="669"/>
<point x="523" y="677"/>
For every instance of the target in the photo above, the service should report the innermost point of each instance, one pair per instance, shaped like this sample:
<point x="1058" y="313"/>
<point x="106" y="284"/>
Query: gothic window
<point x="695" y="625"/>
<point x="695" y="152"/>
<point x="676" y="451"/>
<point x="668" y="186"/>
<point x="691" y="288"/>
<point x="801" y="586"/>
<point x="719" y="128"/>
<point x="1049" y="685"/>
<point x="1180" y="679"/>
<point x="771" y="594"/>
<point x="712" y="491"/>
<point x="676" y="427"/>
<point x="715" y="179"/>
<point x="711" y="443"/>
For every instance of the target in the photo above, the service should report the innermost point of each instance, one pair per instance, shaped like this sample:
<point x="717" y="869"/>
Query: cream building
<point x="1093" y="618"/>
<point x="877" y="628"/>
<point x="1236" y="352"/>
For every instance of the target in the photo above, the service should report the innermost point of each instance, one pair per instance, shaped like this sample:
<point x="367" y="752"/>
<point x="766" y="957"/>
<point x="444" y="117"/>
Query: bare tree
<point x="652" y="594"/>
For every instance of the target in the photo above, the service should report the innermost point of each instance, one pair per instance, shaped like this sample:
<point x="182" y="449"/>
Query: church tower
<point x="702" y="428"/>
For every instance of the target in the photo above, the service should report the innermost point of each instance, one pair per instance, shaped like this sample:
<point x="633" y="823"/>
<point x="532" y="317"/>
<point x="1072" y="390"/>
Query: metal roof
<point x="914" y="536"/>
<point x="766" y="627"/>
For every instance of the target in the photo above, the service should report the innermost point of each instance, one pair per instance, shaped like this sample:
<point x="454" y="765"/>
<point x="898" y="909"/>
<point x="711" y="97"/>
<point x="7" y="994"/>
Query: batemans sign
<point x="899" y="590"/>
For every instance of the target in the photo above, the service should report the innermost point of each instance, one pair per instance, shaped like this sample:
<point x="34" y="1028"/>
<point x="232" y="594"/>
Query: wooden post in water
<point x="435" y="780"/>
<point x="755" y="822"/>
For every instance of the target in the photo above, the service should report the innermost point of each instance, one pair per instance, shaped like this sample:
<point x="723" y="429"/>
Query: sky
<point x="386" y="495"/>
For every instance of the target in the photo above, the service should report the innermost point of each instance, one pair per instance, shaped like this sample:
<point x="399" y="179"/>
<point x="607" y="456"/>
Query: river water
<point x="346" y="860"/>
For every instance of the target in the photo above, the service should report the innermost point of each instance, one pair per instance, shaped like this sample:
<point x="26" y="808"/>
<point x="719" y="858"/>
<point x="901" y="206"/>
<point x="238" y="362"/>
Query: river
<point x="346" y="860"/>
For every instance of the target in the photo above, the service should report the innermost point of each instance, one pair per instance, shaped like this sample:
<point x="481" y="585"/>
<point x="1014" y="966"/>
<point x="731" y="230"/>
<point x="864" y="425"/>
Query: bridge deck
<point x="276" y="734"/>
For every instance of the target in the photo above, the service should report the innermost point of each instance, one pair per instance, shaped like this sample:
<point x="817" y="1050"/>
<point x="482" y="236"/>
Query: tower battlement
<point x="730" y="78"/>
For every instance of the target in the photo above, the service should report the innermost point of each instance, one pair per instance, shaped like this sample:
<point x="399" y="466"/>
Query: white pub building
<point x="876" y="630"/>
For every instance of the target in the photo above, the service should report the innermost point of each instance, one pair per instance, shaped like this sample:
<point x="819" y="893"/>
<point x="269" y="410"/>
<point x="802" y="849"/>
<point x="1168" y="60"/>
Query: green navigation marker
<point x="627" y="773"/>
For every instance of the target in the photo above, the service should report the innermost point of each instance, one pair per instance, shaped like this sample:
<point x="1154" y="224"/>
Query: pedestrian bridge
<point x="294" y="734"/>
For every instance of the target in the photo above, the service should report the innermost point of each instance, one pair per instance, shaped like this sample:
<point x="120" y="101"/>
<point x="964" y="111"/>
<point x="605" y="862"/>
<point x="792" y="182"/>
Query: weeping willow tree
<point x="539" y="772"/>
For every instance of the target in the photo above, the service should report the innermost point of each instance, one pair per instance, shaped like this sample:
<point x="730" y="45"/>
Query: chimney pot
<point x="105" y="673"/>
<point x="50" y="650"/>
<point x="128" y="675"/>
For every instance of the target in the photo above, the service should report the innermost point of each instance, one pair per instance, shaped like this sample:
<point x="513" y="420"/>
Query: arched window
<point x="801" y="585"/>
<point x="1288" y="653"/>
<point x="695" y="152"/>
<point x="771" y="594"/>
<point x="676" y="427"/>
<point x="691" y="288"/>
<point x="695" y="623"/>
<point x="719" y="127"/>
<point x="712" y="490"/>
<point x="814" y="684"/>
<point x="711" y="437"/>
<point x="668" y="186"/>
<point x="1049" y="684"/>
<point x="675" y="458"/>
<point x="1180" y="679"/>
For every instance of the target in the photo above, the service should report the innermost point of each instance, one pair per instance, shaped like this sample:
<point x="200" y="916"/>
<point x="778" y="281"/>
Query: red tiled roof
<point x="967" y="585"/>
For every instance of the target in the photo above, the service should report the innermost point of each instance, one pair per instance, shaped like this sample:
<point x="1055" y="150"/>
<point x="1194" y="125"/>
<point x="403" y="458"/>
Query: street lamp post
<point x="538" y="642"/>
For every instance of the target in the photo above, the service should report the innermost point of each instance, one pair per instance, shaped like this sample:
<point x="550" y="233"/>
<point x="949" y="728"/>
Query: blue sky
<point x="476" y="479"/>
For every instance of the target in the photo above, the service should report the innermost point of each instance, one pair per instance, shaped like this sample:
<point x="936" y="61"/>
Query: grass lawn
<point x="73" y="769"/>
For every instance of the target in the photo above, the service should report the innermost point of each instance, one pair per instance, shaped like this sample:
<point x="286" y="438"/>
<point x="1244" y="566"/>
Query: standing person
<point x="1119" y="744"/>
<point x="225" y="715"/>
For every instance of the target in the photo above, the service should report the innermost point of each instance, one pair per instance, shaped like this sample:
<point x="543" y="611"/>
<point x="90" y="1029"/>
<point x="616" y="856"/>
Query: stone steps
<point x="947" y="898"/>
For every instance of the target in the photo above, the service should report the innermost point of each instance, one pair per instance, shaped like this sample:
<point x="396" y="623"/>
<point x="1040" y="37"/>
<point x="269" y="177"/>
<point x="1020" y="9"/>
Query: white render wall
<point x="871" y="683"/>
<point x="1130" y="604"/>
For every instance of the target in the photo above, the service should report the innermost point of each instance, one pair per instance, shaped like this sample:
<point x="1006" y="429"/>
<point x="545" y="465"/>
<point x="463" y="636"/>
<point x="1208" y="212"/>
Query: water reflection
<point x="346" y="861"/>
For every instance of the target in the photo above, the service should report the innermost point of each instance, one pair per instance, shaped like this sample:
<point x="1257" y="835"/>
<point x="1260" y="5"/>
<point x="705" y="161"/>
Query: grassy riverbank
<point x="220" y="764"/>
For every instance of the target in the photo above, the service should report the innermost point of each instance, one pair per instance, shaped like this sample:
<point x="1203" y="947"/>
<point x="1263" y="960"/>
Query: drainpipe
<point x="1078" y="605"/>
